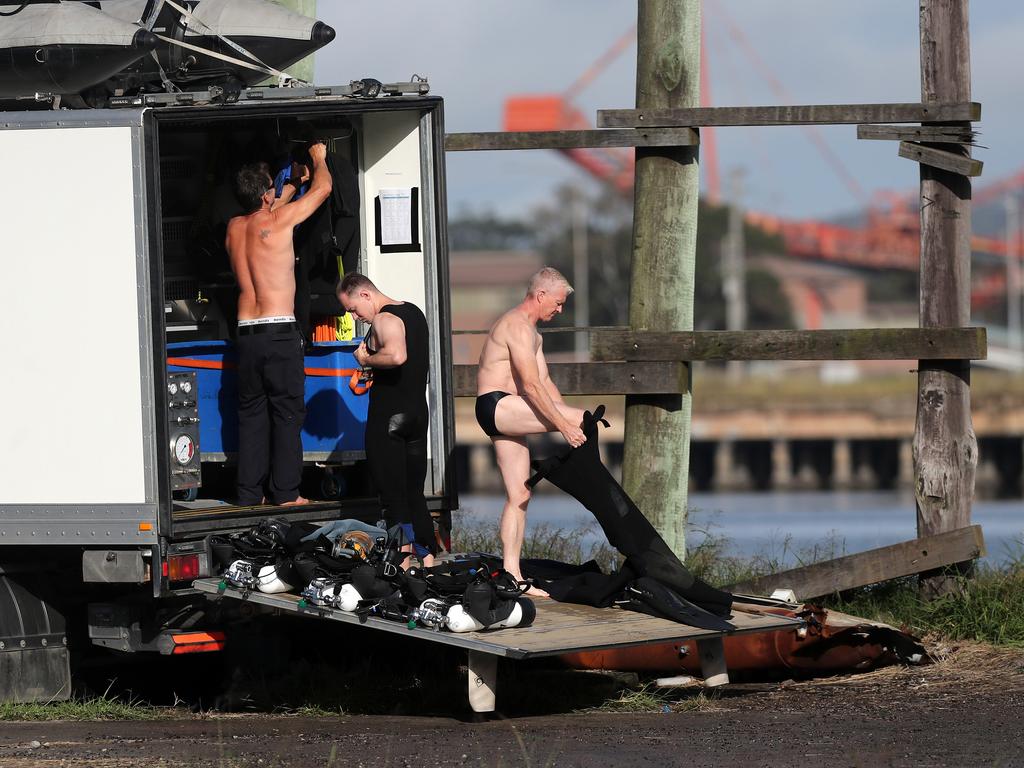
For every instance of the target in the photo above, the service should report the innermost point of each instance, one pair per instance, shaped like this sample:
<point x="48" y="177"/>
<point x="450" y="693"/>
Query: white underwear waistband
<point x="267" y="320"/>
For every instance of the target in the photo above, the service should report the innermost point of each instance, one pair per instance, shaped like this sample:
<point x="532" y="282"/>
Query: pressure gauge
<point x="186" y="386"/>
<point x="184" y="449"/>
<point x="172" y="388"/>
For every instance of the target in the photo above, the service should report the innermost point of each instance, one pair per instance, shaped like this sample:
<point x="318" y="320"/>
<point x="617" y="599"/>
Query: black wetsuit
<point x="271" y="410"/>
<point x="396" y="432"/>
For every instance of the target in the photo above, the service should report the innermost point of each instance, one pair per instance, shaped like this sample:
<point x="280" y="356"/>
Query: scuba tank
<point x="485" y="607"/>
<point x="511" y="613"/>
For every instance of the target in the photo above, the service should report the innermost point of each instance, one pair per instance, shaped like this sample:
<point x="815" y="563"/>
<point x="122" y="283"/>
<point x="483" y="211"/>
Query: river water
<point x="785" y="526"/>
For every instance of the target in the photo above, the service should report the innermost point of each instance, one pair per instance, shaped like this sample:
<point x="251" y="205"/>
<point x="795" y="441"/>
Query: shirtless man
<point x="516" y="397"/>
<point x="271" y="380"/>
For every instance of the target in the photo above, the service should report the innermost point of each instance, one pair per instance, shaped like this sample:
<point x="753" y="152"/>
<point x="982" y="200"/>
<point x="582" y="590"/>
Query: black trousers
<point x="396" y="451"/>
<point x="271" y="410"/>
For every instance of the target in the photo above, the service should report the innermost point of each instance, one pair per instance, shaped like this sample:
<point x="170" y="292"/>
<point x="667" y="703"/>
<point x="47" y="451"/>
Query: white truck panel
<point x="391" y="152"/>
<point x="70" y="319"/>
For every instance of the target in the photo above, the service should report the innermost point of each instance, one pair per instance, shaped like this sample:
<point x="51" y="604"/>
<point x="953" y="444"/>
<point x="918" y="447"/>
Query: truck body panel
<point x="77" y="332"/>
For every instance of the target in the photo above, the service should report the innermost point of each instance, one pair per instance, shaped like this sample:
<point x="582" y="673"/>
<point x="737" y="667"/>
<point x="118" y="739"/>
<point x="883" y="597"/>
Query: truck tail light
<point x="197" y="642"/>
<point x="183" y="567"/>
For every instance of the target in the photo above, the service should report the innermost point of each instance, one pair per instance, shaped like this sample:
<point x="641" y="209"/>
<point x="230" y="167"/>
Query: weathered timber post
<point x="945" y="448"/>
<point x="657" y="434"/>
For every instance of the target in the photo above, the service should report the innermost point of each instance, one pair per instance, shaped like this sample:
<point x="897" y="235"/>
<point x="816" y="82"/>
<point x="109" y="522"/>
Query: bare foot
<point x="298" y="502"/>
<point x="531" y="591"/>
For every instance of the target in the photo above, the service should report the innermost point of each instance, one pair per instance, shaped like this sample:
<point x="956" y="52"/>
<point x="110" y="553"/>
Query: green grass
<point x="649" y="698"/>
<point x="987" y="608"/>
<point x="542" y="541"/>
<point x="87" y="708"/>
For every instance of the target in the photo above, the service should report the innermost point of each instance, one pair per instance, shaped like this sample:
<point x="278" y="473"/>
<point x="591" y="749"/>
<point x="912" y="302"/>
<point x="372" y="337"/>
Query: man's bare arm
<point x="545" y="377"/>
<point x="532" y="388"/>
<point x="297" y="212"/>
<point x="289" y="190"/>
<point x="389" y="330"/>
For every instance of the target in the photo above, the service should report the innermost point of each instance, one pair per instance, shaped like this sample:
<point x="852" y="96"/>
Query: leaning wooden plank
<point x="628" y="137"/>
<point x="788" y="115"/>
<point x="658" y="378"/>
<point x="873" y="566"/>
<point x="940" y="134"/>
<point x="939" y="158"/>
<point x="858" y="344"/>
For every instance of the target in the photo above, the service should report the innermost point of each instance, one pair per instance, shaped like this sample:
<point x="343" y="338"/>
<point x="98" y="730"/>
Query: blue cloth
<point x="417" y="548"/>
<point x="335" y="529"/>
<point x="282" y="176"/>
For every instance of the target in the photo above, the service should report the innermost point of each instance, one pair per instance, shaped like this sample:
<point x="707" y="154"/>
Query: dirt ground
<point x="967" y="709"/>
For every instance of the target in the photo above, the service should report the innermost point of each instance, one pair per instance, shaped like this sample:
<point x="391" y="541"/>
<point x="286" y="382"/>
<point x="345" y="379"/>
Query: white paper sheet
<point x="395" y="216"/>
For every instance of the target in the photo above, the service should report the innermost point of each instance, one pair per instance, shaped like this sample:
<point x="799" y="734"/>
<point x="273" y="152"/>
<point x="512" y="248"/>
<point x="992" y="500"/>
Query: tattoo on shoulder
<point x="264" y="234"/>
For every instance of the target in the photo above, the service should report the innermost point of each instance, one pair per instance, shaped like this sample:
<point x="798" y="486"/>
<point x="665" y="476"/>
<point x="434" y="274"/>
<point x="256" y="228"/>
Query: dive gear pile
<point x="349" y="566"/>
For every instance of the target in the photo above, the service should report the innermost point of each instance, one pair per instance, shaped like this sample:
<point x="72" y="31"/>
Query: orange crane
<point x="556" y="112"/>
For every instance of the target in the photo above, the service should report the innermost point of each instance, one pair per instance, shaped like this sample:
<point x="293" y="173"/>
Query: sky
<point x="476" y="53"/>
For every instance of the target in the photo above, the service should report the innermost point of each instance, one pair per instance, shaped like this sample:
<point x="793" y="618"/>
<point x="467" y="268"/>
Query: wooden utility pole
<point x="945" y="447"/>
<point x="657" y="429"/>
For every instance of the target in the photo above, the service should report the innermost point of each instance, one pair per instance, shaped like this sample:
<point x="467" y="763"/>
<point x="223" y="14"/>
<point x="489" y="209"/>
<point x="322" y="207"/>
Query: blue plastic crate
<point x="335" y="423"/>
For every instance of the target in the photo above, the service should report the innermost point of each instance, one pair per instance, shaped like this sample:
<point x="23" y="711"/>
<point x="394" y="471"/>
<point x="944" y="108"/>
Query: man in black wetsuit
<point x="395" y="348"/>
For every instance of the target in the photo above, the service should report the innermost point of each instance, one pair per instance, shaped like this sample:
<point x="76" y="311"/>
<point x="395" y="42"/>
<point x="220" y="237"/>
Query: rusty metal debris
<point x="829" y="642"/>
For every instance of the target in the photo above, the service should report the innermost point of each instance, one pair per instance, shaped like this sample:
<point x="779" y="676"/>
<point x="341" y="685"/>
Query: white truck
<point x="116" y="321"/>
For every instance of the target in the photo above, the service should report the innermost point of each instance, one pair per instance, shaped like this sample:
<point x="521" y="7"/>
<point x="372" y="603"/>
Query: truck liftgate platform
<point x="559" y="628"/>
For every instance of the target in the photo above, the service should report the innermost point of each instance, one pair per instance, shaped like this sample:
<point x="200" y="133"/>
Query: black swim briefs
<point x="485" y="407"/>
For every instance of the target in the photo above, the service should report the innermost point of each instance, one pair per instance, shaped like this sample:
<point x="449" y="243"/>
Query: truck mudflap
<point x="558" y="629"/>
<point x="34" y="664"/>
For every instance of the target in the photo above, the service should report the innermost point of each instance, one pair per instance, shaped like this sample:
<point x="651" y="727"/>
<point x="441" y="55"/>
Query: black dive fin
<point x="647" y="595"/>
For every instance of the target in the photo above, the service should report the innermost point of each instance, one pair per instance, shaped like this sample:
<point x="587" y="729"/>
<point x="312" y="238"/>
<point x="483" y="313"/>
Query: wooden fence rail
<point x="635" y="378"/>
<point x="655" y="363"/>
<point x="804" y="114"/>
<point x="855" y="344"/>
<point x="873" y="566"/>
<point x="600" y="139"/>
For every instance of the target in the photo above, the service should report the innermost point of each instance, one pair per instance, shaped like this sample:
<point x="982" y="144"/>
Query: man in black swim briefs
<point x="516" y="397"/>
<point x="486" y="405"/>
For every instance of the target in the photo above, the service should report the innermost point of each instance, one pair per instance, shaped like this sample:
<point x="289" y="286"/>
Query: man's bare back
<point x="263" y="260"/>
<point x="261" y="248"/>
